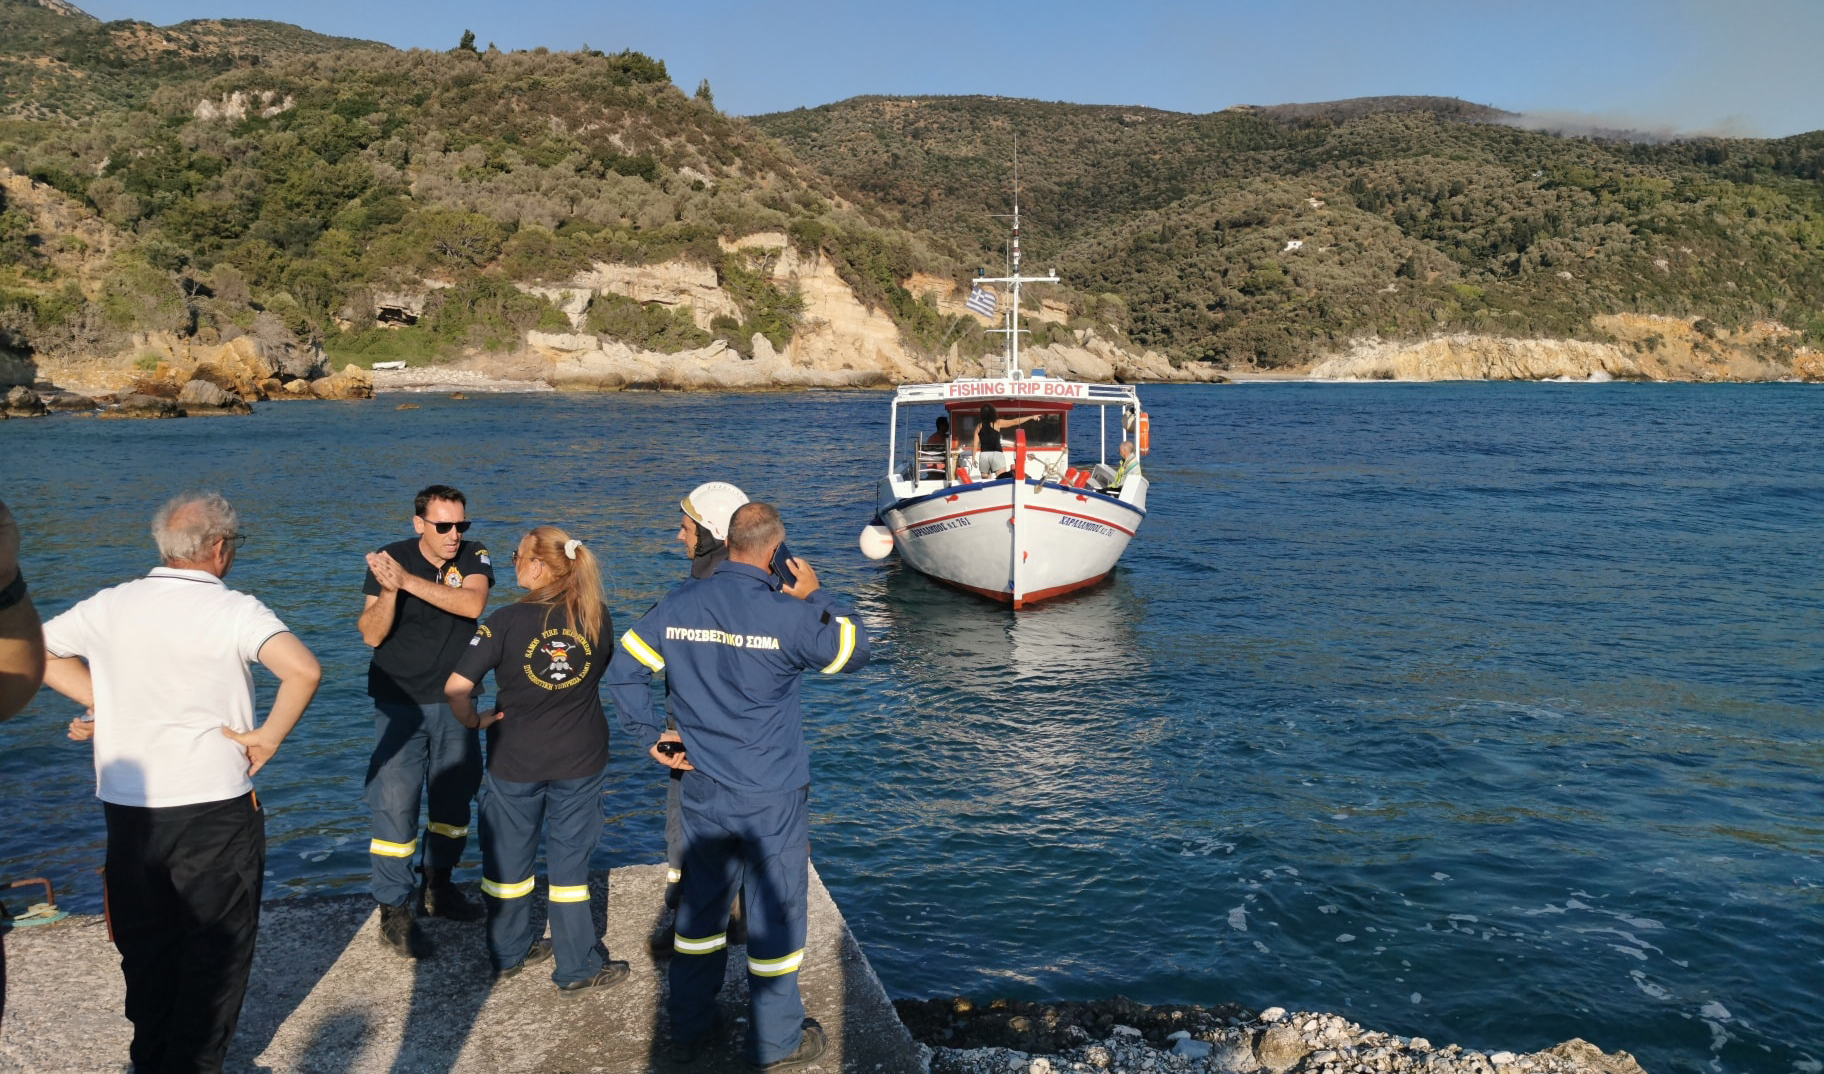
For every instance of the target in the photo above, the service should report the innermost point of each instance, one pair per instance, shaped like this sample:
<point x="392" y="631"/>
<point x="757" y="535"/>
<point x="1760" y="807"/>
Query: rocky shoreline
<point x="1119" y="1036"/>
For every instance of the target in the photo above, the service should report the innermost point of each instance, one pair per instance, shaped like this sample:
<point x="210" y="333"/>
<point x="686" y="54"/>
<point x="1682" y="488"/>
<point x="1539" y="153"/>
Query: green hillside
<point x="217" y="178"/>
<point x="1265" y="235"/>
<point x="267" y="180"/>
<point x="57" y="64"/>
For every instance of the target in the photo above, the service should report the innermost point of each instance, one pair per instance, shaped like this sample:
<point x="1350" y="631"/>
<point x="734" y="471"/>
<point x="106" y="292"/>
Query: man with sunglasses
<point x="424" y="597"/>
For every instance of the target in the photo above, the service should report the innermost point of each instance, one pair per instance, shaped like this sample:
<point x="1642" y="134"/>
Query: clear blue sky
<point x="1747" y="67"/>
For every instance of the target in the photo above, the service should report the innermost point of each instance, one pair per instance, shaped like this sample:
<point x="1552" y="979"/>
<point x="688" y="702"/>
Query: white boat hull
<point x="1019" y="542"/>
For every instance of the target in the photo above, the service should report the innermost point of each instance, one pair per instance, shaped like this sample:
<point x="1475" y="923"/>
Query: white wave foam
<point x="1651" y="989"/>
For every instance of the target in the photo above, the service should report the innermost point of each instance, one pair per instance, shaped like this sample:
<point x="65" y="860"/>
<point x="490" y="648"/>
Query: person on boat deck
<point x="1130" y="465"/>
<point x="990" y="458"/>
<point x="547" y="754"/>
<point x="936" y="446"/>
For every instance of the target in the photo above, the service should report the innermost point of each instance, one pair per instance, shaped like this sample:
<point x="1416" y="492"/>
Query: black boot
<point x="399" y="931"/>
<point x="442" y="898"/>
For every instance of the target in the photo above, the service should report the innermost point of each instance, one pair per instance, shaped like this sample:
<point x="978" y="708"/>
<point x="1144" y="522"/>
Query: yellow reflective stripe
<point x="641" y="651"/>
<point x="846" y="649"/>
<point x="700" y="947"/>
<point x="672" y="876"/>
<point x="508" y="891"/>
<point x="569" y="892"/>
<point x="776" y="967"/>
<point x="392" y="850"/>
<point x="448" y="831"/>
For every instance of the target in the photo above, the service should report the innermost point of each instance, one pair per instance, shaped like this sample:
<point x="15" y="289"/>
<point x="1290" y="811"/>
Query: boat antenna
<point x="1011" y="318"/>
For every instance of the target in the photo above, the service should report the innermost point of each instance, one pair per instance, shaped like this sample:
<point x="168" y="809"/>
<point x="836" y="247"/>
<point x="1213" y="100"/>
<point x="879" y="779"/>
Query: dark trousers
<point x="183" y="887"/>
<point x="758" y="845"/>
<point x="415" y="747"/>
<point x="570" y="812"/>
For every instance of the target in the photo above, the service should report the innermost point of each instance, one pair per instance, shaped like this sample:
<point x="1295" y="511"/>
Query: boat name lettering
<point x="939" y="527"/>
<point x="1084" y="524"/>
<point x="718" y="637"/>
<point x="1038" y="388"/>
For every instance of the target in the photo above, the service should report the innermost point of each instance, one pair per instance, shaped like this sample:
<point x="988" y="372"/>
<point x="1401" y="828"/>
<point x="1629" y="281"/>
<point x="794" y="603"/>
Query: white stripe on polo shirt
<point x="169" y="656"/>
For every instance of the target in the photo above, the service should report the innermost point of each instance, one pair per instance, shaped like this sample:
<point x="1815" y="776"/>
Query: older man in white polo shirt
<point x="167" y="677"/>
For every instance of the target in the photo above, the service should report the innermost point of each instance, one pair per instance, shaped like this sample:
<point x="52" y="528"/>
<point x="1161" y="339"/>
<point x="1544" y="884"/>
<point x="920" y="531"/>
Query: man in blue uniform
<point x="733" y="648"/>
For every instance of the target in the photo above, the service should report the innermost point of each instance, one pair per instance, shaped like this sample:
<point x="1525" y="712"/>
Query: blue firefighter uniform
<point x="733" y="649"/>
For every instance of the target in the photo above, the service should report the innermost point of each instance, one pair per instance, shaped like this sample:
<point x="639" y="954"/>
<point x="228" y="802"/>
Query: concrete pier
<point x="327" y="998"/>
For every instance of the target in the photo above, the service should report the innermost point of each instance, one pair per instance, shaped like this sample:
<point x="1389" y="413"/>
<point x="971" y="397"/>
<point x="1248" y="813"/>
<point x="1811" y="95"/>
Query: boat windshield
<point x="1046" y="432"/>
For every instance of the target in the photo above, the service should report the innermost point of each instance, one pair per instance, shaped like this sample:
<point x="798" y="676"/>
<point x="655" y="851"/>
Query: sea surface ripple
<point x="1482" y="712"/>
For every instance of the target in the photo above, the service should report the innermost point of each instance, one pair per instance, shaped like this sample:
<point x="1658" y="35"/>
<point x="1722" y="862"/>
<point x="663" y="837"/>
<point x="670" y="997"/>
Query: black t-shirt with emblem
<point x="416" y="658"/>
<point x="547" y="680"/>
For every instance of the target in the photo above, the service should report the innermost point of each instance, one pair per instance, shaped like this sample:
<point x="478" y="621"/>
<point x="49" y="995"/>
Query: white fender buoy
<point x="876" y="541"/>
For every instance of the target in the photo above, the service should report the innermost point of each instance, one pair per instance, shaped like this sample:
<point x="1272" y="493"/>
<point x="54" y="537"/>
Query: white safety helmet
<point x="712" y="504"/>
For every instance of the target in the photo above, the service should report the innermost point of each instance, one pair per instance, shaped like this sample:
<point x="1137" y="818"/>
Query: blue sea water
<point x="1482" y="712"/>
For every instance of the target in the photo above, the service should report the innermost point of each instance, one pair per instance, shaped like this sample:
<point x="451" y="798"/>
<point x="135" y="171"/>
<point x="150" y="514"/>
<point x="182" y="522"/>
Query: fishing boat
<point x="1060" y="514"/>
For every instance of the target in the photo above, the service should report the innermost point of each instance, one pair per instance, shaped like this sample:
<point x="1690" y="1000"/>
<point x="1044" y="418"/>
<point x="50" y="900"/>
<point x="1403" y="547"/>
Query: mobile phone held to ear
<point x="670" y="748"/>
<point x="781" y="569"/>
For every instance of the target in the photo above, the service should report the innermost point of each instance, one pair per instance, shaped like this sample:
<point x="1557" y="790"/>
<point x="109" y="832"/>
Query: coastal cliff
<point x="837" y="342"/>
<point x="1639" y="347"/>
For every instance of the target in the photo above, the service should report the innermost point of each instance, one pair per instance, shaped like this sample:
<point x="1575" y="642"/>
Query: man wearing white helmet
<point x="703" y="533"/>
<point x="705" y="527"/>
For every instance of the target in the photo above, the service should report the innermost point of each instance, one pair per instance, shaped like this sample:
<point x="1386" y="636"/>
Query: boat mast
<point x="1012" y="317"/>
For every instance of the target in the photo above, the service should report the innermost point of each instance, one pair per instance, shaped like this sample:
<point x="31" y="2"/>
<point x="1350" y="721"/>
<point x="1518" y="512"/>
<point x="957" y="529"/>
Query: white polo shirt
<point x="169" y="655"/>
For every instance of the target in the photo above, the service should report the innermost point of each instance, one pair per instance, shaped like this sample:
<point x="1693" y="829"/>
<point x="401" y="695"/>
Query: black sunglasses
<point x="445" y="527"/>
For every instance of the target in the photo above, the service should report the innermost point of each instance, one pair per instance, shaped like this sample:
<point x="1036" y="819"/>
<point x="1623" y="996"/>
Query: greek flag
<point x="981" y="301"/>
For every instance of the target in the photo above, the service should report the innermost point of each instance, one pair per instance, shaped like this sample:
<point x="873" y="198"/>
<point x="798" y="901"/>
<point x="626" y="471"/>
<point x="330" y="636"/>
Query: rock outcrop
<point x="137" y="405"/>
<point x="203" y="397"/>
<point x="244" y="369"/>
<point x="1119" y="1036"/>
<point x="22" y="402"/>
<point x="352" y="383"/>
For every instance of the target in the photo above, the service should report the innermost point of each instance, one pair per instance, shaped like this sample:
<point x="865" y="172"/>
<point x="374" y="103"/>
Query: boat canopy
<point x="1017" y="390"/>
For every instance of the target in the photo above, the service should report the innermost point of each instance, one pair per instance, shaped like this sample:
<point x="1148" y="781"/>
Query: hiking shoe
<point x="810" y="1046"/>
<point x="538" y="952"/>
<point x="442" y="898"/>
<point x="399" y="930"/>
<point x="685" y="1052"/>
<point x="611" y="974"/>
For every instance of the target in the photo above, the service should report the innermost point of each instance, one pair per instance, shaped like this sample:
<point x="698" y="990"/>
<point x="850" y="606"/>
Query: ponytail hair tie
<point x="570" y="548"/>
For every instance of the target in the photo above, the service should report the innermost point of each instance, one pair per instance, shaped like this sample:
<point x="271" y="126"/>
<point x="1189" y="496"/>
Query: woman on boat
<point x="547" y="751"/>
<point x="990" y="458"/>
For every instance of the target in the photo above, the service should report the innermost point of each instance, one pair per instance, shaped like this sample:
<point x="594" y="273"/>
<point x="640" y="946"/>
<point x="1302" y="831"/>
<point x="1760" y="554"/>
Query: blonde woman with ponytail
<point x="547" y="753"/>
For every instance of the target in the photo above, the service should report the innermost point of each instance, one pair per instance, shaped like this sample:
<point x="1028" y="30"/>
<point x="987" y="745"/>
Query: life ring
<point x="1144" y="434"/>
